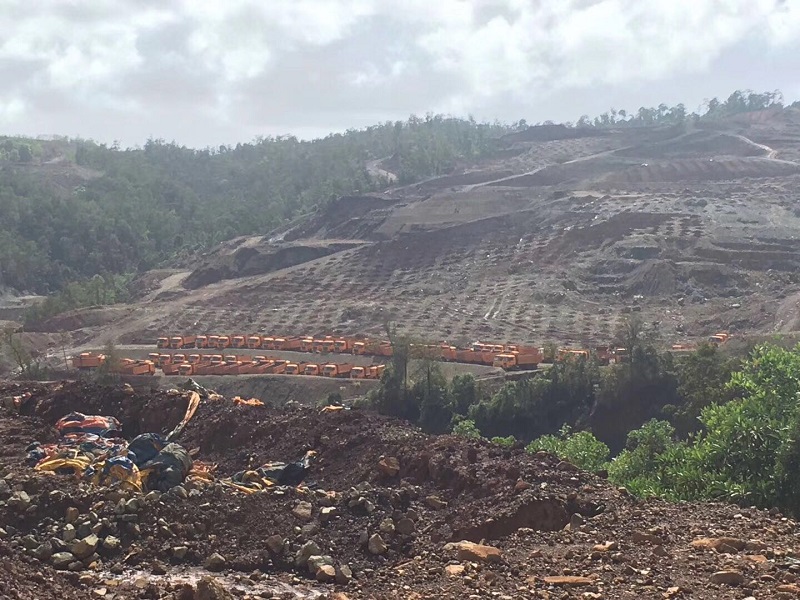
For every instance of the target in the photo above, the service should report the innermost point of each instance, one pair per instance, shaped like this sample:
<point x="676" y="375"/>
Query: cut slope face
<point x="559" y="237"/>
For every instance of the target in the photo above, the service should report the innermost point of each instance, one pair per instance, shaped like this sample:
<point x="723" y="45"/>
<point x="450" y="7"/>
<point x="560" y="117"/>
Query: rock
<point x="327" y="513"/>
<point x="158" y="568"/>
<point x="44" y="551"/>
<point x="576" y="521"/>
<point x="729" y="577"/>
<point x="111" y="543"/>
<point x="29" y="542"/>
<point x="386" y="526"/>
<point x="788" y="588"/>
<point x="303" y="511"/>
<point x="660" y="551"/>
<point x="473" y="552"/>
<point x="315" y="562"/>
<point x="376" y="545"/>
<point x="405" y="526"/>
<point x="209" y="588"/>
<point x="606" y="547"/>
<point x="71" y="515"/>
<point x="179" y="492"/>
<point x="19" y="501"/>
<point x="725" y="545"/>
<point x="389" y="466"/>
<point x="61" y="560"/>
<point x="521" y="485"/>
<point x="567" y="466"/>
<point x="85" y="547"/>
<point x="305" y="552"/>
<point x="435" y="502"/>
<point x="276" y="544"/>
<point x="5" y="489"/>
<point x="454" y="570"/>
<point x="133" y="506"/>
<point x="326" y="574"/>
<point x="180" y="552"/>
<point x="641" y="537"/>
<point x="343" y="574"/>
<point x="568" y="580"/>
<point x="215" y="562"/>
<point x="153" y="496"/>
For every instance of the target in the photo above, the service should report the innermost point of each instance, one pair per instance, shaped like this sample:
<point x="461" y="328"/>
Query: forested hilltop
<point x="74" y="209"/>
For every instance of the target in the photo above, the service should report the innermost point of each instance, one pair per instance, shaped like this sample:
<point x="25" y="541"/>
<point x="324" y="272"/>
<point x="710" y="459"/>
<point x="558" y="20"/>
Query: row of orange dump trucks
<point x="217" y="364"/>
<point x="506" y="356"/>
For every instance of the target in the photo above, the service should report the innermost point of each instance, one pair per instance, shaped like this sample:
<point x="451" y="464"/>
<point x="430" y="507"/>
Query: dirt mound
<point x="654" y="278"/>
<point x="718" y="169"/>
<point x="384" y="530"/>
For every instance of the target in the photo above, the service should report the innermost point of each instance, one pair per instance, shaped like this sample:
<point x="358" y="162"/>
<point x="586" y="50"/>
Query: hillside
<point x="554" y="237"/>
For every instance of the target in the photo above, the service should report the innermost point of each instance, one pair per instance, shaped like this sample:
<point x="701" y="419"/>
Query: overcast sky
<point x="223" y="71"/>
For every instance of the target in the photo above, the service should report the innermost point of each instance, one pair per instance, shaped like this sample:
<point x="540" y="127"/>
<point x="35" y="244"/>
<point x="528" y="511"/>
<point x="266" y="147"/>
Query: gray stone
<point x="68" y="535"/>
<point x="111" y="543"/>
<point x="5" y="489"/>
<point x="85" y="547"/>
<point x="179" y="492"/>
<point x="376" y="545"/>
<point x="386" y="526"/>
<point x="276" y="544"/>
<point x="405" y="526"/>
<point x="343" y="574"/>
<point x="326" y="574"/>
<point x="316" y="561"/>
<point x="19" y="501"/>
<point x="180" y="552"/>
<point x="305" y="552"/>
<point x="303" y="511"/>
<point x="61" y="560"/>
<point x="44" y="551"/>
<point x="29" y="542"/>
<point x="327" y="513"/>
<point x="133" y="505"/>
<point x="215" y="562"/>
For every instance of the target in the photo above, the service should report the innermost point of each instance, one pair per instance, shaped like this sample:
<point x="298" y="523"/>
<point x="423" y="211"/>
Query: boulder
<point x="389" y="466"/>
<point x="85" y="547"/>
<point x="303" y="511"/>
<point x="208" y="588"/>
<point x="473" y="552"/>
<point x="62" y="560"/>
<point x="376" y="545"/>
<point x="728" y="577"/>
<point x="215" y="562"/>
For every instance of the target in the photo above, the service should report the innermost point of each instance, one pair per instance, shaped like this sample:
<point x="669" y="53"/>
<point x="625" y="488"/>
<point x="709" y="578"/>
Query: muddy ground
<point x="548" y="530"/>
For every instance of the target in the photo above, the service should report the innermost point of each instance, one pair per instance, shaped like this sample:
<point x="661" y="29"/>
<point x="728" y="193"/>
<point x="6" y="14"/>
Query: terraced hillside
<point x="557" y="238"/>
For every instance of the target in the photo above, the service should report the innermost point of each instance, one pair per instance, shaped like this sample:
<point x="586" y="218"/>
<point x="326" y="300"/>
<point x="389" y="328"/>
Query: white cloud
<point x="233" y="68"/>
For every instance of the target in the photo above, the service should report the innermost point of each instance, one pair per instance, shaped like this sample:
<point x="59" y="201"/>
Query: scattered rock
<point x="44" y="551"/>
<point x="317" y="561"/>
<point x="111" y="543"/>
<point x="71" y="515"/>
<point x="454" y="570"/>
<point x="376" y="545"/>
<point x="788" y="588"/>
<point x="386" y="526"/>
<point x="343" y="574"/>
<point x="327" y="513"/>
<point x="61" y="560"/>
<point x="180" y="552"/>
<point x="405" y="526"/>
<point x="726" y="545"/>
<point x="435" y="502"/>
<point x="606" y="547"/>
<point x="216" y="562"/>
<point x="568" y="580"/>
<point x="303" y="511"/>
<point x="473" y="552"/>
<point x="642" y="537"/>
<point x="276" y="544"/>
<point x="326" y="574"/>
<point x="19" y="501"/>
<point x="209" y="588"/>
<point x="567" y="466"/>
<point x="306" y="551"/>
<point x="85" y="547"/>
<point x="729" y="577"/>
<point x="389" y="466"/>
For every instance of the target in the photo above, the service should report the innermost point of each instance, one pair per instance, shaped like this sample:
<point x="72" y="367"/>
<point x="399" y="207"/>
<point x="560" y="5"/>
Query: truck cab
<point x="311" y="369"/>
<point x="358" y="373"/>
<point x="162" y="342"/>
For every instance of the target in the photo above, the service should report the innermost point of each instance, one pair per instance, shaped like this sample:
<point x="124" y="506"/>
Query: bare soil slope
<point x="557" y="238"/>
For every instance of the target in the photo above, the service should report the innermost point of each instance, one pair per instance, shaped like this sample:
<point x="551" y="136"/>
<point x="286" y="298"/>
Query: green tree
<point x="580" y="448"/>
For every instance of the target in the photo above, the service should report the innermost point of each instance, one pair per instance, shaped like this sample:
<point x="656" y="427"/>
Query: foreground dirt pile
<point x="386" y="512"/>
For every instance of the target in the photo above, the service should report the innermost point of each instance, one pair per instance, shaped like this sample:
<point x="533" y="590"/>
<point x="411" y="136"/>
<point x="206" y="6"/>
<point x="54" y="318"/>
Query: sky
<point x="205" y="73"/>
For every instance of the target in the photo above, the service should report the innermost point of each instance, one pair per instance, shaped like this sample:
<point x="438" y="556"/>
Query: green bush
<point x="580" y="448"/>
<point x="466" y="428"/>
<point x="505" y="442"/>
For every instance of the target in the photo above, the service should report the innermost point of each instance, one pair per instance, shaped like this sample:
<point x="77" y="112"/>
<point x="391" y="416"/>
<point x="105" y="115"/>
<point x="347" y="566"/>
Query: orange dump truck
<point x="182" y="341"/>
<point x="87" y="360"/>
<point x="324" y="345"/>
<point x="162" y="342"/>
<point x="201" y="341"/>
<point x="223" y="341"/>
<point x="518" y="361"/>
<point x="311" y="369"/>
<point x="239" y="341"/>
<point x="375" y="371"/>
<point x="571" y="354"/>
<point x="337" y="370"/>
<point x="138" y="367"/>
<point x="306" y="345"/>
<point x="342" y="345"/>
<point x="254" y="342"/>
<point x="719" y="338"/>
<point x="289" y="343"/>
<point x="213" y="341"/>
<point x="171" y="368"/>
<point x="360" y="347"/>
<point x="382" y="349"/>
<point x="295" y="368"/>
<point x="358" y="373"/>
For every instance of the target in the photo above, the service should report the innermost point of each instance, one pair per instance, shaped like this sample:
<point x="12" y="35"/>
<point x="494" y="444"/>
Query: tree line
<point x="702" y="426"/>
